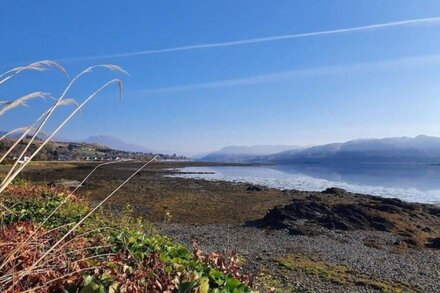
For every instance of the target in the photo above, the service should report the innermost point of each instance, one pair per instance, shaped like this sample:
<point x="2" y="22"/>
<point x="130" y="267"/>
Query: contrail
<point x="424" y="60"/>
<point x="431" y="20"/>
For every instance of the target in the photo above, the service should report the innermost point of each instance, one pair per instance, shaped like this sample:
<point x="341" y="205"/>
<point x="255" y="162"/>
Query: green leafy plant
<point x="56" y="242"/>
<point x="112" y="255"/>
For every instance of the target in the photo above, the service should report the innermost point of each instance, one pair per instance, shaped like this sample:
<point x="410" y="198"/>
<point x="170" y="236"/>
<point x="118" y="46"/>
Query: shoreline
<point x="309" y="183"/>
<point x="305" y="255"/>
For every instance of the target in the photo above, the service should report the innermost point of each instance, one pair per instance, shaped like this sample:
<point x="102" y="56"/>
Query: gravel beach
<point x="417" y="269"/>
<point x="330" y="241"/>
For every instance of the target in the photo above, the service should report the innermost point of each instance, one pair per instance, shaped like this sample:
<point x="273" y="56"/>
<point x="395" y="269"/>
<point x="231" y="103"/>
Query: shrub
<point x="104" y="255"/>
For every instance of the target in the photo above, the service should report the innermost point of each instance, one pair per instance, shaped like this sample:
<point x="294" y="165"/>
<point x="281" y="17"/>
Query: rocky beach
<point x="294" y="241"/>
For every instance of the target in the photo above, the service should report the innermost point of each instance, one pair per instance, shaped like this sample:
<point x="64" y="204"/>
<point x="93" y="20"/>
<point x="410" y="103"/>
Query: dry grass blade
<point x="22" y="130"/>
<point x="36" y="66"/>
<point x="116" y="68"/>
<point x="17" y="141"/>
<point x="16" y="130"/>
<point x="22" y="101"/>
<point x="46" y="116"/>
<point x="61" y="247"/>
<point x="89" y="257"/>
<point x="85" y="234"/>
<point x="6" y="209"/>
<point x="19" y="275"/>
<point x="60" y="278"/>
<point x="13" y="255"/>
<point x="54" y="211"/>
<point x="68" y="101"/>
<point x="64" y="102"/>
<point x="91" y="212"/>
<point x="10" y="176"/>
<point x="90" y="248"/>
<point x="75" y="255"/>
<point x="46" y="64"/>
<point x="112" y="67"/>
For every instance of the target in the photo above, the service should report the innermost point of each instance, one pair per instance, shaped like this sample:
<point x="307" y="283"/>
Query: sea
<point x="409" y="182"/>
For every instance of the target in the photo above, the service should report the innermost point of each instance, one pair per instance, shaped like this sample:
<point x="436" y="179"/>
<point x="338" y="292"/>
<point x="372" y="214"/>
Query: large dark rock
<point x="434" y="243"/>
<point x="335" y="191"/>
<point x="312" y="213"/>
<point x="434" y="211"/>
<point x="333" y="217"/>
<point x="252" y="187"/>
<point x="395" y="202"/>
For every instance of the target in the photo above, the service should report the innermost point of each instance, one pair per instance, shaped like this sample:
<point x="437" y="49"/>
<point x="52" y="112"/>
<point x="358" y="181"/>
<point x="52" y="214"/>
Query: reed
<point x="21" y="101"/>
<point x="16" y="130"/>
<point x="36" y="128"/>
<point x="36" y="66"/>
<point x="15" y="170"/>
<point x="91" y="212"/>
<point x="26" y="130"/>
<point x="38" y="259"/>
<point x="34" y="233"/>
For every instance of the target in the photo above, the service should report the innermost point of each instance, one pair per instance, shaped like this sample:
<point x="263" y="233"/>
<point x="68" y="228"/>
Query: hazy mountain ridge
<point x="116" y="143"/>
<point x="100" y="140"/>
<point x="420" y="149"/>
<point x="244" y="153"/>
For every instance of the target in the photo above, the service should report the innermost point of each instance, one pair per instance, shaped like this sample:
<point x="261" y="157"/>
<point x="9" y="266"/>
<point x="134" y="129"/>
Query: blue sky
<point x="301" y="91"/>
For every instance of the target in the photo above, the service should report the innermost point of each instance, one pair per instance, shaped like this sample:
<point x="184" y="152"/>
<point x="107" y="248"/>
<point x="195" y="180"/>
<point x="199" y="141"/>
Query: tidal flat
<point x="332" y="241"/>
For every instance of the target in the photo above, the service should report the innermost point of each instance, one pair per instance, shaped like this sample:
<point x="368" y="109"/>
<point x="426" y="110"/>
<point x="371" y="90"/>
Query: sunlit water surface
<point x="417" y="183"/>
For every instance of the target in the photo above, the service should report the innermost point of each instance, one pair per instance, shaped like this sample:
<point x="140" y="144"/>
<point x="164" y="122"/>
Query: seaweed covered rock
<point x="335" y="191"/>
<point x="336" y="209"/>
<point x="253" y="187"/>
<point x="333" y="217"/>
<point x="434" y="243"/>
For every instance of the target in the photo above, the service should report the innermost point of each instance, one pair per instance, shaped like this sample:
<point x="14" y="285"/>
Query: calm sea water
<point x="417" y="183"/>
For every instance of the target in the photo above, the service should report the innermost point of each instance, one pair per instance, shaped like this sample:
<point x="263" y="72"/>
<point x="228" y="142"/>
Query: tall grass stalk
<point x="36" y="66"/>
<point x="21" y="101"/>
<point x="26" y="273"/>
<point x="62" y="277"/>
<point x="11" y="177"/>
<point x="16" y="130"/>
<point x="90" y="213"/>
<point x="26" y="130"/>
<point x="11" y="256"/>
<point x="85" y="234"/>
<point x="37" y="128"/>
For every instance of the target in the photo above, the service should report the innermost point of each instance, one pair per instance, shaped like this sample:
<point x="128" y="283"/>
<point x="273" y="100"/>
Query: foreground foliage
<point x="104" y="255"/>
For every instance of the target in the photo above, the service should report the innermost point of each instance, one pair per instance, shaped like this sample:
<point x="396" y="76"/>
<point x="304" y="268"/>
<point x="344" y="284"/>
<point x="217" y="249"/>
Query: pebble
<point x="418" y="268"/>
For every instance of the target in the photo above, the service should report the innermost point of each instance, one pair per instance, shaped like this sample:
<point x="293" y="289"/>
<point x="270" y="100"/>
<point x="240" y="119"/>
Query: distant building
<point x="24" y="160"/>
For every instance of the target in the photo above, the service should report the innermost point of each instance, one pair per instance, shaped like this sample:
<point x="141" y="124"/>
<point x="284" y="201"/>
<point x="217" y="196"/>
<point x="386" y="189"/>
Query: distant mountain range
<point x="420" y="149"/>
<point x="116" y="143"/>
<point x="103" y="140"/>
<point x="244" y="153"/>
<point x="70" y="151"/>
